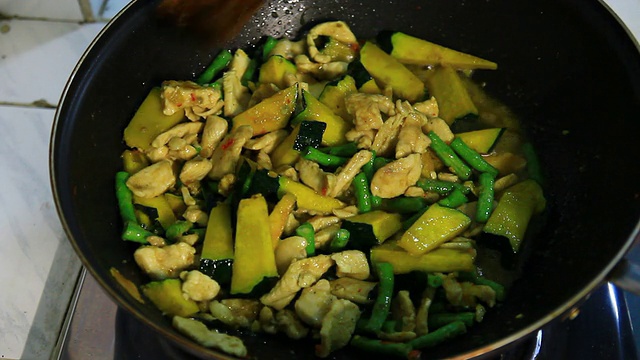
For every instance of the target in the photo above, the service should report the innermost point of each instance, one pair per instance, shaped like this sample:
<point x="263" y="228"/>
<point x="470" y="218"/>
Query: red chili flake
<point x="179" y="105"/>
<point x="414" y="354"/>
<point x="324" y="190"/>
<point x="354" y="46"/>
<point x="193" y="97"/>
<point x="228" y="144"/>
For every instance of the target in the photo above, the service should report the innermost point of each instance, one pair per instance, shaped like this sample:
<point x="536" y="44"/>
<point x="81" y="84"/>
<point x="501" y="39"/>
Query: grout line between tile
<point x="35" y="18"/>
<point x="38" y="104"/>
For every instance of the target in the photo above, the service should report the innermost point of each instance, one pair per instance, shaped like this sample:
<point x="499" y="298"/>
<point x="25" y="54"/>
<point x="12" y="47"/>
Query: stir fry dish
<point x="329" y="188"/>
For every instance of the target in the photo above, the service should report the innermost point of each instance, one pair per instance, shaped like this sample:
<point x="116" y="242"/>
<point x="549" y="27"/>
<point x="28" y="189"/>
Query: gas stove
<point x="98" y="329"/>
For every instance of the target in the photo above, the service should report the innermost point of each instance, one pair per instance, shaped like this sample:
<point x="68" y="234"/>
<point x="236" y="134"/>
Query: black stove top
<point x="602" y="330"/>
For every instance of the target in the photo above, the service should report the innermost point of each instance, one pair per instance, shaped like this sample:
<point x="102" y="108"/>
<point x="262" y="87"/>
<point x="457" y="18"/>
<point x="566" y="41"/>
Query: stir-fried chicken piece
<point x="403" y="311"/>
<point x="325" y="236"/>
<point x="195" y="170"/>
<point x="349" y="171"/>
<point x="226" y="155"/>
<point x="289" y="250"/>
<point x="288" y="323"/>
<point x="440" y="127"/>
<point x="351" y="263"/>
<point x="300" y="274"/>
<point x="288" y="49"/>
<point x="198" y="286"/>
<point x="179" y="131"/>
<point x="214" y="130"/>
<point x="314" y="303"/>
<point x="194" y="214"/>
<point x="267" y="142"/>
<point x="236" y="96"/>
<point x="422" y="314"/>
<point x="363" y="138"/>
<point x="353" y="289"/>
<point x="428" y="107"/>
<point x="164" y="262"/>
<point x="337" y="326"/>
<point x="311" y="175"/>
<point x="320" y="222"/>
<point x="237" y="313"/>
<point x="321" y="71"/>
<point x="386" y="139"/>
<point x="466" y="293"/>
<point x="197" y="101"/>
<point x="153" y="180"/>
<point x="210" y="338"/>
<point x="411" y="139"/>
<point x="395" y="178"/>
<point x="367" y="110"/>
<point x="346" y="212"/>
<point x="337" y="30"/>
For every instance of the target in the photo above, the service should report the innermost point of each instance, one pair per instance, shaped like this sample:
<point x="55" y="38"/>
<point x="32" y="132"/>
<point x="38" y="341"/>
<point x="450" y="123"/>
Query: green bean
<point x="441" y="187"/>
<point x="376" y="201"/>
<point x="125" y="198"/>
<point x="178" y="228"/>
<point x="485" y="197"/>
<point x="368" y="167"/>
<point x="533" y="163"/>
<point x="408" y="222"/>
<point x="347" y="150"/>
<point x="389" y="326"/>
<point x="472" y="157"/>
<point x="439" y="320"/>
<point x="379" y="162"/>
<point x="481" y="280"/>
<point x="434" y="280"/>
<point x="362" y="192"/>
<point x="268" y="46"/>
<point x="218" y="64"/>
<point x="403" y="204"/>
<point x="340" y="241"/>
<point x="400" y="350"/>
<point x="454" y="199"/>
<point x="135" y="232"/>
<point x="306" y="231"/>
<point x="323" y="159"/>
<point x="382" y="303"/>
<point x="250" y="72"/>
<point x="448" y="157"/>
<point x="440" y="335"/>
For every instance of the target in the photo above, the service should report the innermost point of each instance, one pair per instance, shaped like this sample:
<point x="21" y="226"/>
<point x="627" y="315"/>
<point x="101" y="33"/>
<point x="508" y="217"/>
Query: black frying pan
<point x="567" y="68"/>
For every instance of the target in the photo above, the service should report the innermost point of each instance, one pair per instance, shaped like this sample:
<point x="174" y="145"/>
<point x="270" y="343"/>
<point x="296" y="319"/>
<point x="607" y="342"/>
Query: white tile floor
<point x="40" y="43"/>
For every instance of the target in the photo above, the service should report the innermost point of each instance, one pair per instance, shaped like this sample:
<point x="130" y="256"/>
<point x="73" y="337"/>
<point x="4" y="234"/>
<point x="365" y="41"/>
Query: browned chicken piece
<point x="349" y="171"/>
<point x="320" y="71"/>
<point x="338" y="30"/>
<point x="153" y="180"/>
<point x="288" y="323"/>
<point x="289" y="250"/>
<point x="288" y="49"/>
<point x="337" y="326"/>
<point x="440" y="127"/>
<point x="351" y="263"/>
<point x="236" y="313"/>
<point x="179" y="131"/>
<point x="428" y="107"/>
<point x="362" y="138"/>
<point x="411" y="139"/>
<point x="422" y="314"/>
<point x="396" y="177"/>
<point x="198" y="286"/>
<point x="403" y="311"/>
<point x="346" y="212"/>
<point x="267" y="142"/>
<point x="466" y="293"/>
<point x="225" y="157"/>
<point x="236" y="96"/>
<point x="386" y="139"/>
<point x="197" y="101"/>
<point x="214" y="130"/>
<point x="353" y="289"/>
<point x="199" y="332"/>
<point x="263" y="160"/>
<point x="367" y="110"/>
<point x="164" y="262"/>
<point x="310" y="174"/>
<point x="431" y="164"/>
<point x="320" y="222"/>
<point x="195" y="170"/>
<point x="326" y="235"/>
<point x="314" y="303"/>
<point x="300" y="274"/>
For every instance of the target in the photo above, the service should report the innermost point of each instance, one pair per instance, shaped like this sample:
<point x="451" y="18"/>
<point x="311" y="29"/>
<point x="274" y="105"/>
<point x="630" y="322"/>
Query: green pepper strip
<point x="480" y="280"/>
<point x="347" y="150"/>
<point x="125" y="198"/>
<point x="406" y="224"/>
<point x="250" y="72"/>
<point x="434" y="280"/>
<point x="340" y="240"/>
<point x="404" y="205"/>
<point x="362" y="192"/>
<point x="218" y="64"/>
<point x="323" y="159"/>
<point x="440" y="335"/>
<point x="178" y="228"/>
<point x="306" y="231"/>
<point x="442" y="319"/>
<point x="268" y="46"/>
<point x="441" y="187"/>
<point x="383" y="302"/>
<point x="533" y="163"/>
<point x="135" y="232"/>
<point x="368" y="167"/>
<point x="472" y="157"/>
<point x="379" y="347"/>
<point x="454" y="199"/>
<point x="448" y="157"/>
<point x="485" y="197"/>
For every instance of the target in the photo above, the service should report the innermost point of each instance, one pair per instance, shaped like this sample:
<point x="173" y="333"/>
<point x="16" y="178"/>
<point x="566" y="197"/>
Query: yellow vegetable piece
<point x="307" y="198"/>
<point x="127" y="284"/>
<point x="279" y="216"/>
<point x="333" y="96"/>
<point x="149" y="121"/>
<point x="270" y="114"/>
<point x="438" y="260"/>
<point x="314" y="110"/>
<point x="134" y="161"/>
<point x="167" y="296"/>
<point x="390" y="72"/>
<point x="166" y="217"/>
<point x="218" y="240"/>
<point x="454" y="102"/>
<point x="284" y="153"/>
<point x="482" y="141"/>
<point x="275" y="71"/>
<point x="254" y="258"/>
<point x="437" y="225"/>
<point x="176" y="203"/>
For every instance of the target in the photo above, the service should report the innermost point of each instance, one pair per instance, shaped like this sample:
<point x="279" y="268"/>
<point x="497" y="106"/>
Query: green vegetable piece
<point x="485" y="197"/>
<point x="310" y="134"/>
<point x="472" y="157"/>
<point x="481" y="280"/>
<point x="448" y="157"/>
<point x="314" y="110"/>
<point x="441" y="187"/>
<point x="406" y="224"/>
<point x="434" y="281"/>
<point x="218" y="64"/>
<point x="379" y="162"/>
<point x="340" y="241"/>
<point x="380" y="348"/>
<point x="306" y="231"/>
<point x="403" y="204"/>
<point x="177" y="229"/>
<point x="442" y="319"/>
<point x="323" y="159"/>
<point x="268" y="46"/>
<point x="439" y="336"/>
<point x="250" y="73"/>
<point x="533" y="163"/>
<point x="275" y="70"/>
<point x="216" y="259"/>
<point x="362" y="192"/>
<point x="125" y="198"/>
<point x="136" y="233"/>
<point x="345" y="150"/>
<point x="334" y="94"/>
<point x="368" y="167"/>
<point x="382" y="304"/>
<point x="371" y="228"/>
<point x="455" y="199"/>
